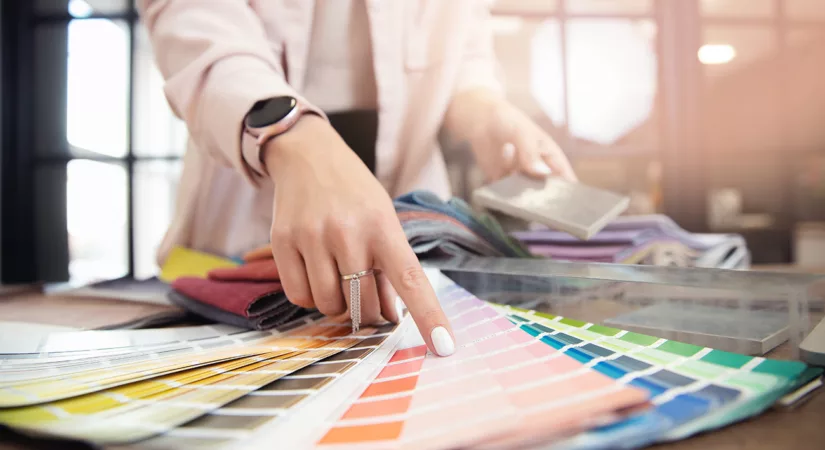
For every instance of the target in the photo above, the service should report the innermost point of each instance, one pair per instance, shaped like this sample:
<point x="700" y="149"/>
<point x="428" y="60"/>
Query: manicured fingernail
<point x="508" y="151"/>
<point x="541" y="168"/>
<point x="399" y="308"/>
<point x="442" y="341"/>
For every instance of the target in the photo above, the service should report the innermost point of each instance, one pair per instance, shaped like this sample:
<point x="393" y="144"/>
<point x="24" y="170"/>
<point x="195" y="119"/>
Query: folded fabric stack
<point x="437" y="228"/>
<point x="650" y="240"/>
<point x="250" y="294"/>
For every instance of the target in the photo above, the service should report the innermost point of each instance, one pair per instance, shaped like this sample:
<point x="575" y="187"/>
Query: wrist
<point x="470" y="112"/>
<point x="279" y="152"/>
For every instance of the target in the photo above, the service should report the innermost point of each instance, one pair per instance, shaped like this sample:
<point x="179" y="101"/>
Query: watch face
<point x="270" y="111"/>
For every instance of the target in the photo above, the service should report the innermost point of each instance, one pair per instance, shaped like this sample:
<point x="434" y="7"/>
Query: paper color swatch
<point x="184" y="262"/>
<point x="128" y="402"/>
<point x="693" y="388"/>
<point x="501" y="385"/>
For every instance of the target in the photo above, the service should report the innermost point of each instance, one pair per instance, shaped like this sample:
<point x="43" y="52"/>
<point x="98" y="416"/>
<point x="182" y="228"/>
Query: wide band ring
<point x="355" y="296"/>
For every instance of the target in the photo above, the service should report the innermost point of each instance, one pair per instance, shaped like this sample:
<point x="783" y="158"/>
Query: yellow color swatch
<point x="184" y="262"/>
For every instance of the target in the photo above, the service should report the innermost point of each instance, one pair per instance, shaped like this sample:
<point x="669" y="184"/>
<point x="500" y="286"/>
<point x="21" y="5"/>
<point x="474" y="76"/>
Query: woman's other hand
<point x="503" y="138"/>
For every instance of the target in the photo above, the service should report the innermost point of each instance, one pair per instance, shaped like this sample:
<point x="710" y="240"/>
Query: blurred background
<point x="709" y="111"/>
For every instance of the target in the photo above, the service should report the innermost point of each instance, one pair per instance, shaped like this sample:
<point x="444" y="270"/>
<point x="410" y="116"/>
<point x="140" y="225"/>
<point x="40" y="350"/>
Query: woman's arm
<point x="331" y="216"/>
<point x="479" y="70"/>
<point x="217" y="62"/>
<point x="502" y="137"/>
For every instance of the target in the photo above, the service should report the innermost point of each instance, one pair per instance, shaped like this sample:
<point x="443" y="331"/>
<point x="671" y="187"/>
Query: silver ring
<point x="355" y="296"/>
<point x="356" y="275"/>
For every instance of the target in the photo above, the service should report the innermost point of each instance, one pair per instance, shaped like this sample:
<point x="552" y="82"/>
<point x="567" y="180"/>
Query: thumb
<point x="528" y="158"/>
<point x="530" y="162"/>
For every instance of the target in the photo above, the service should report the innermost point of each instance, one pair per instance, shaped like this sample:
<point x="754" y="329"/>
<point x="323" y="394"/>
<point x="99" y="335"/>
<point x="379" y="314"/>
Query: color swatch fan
<point x="502" y="386"/>
<point x="130" y="394"/>
<point x="692" y="388"/>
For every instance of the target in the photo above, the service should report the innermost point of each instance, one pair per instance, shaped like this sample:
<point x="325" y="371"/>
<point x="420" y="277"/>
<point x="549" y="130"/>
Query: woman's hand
<point x="333" y="218"/>
<point x="503" y="138"/>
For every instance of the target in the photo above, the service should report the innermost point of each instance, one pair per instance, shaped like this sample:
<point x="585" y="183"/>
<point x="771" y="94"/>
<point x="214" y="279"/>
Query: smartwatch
<point x="271" y="117"/>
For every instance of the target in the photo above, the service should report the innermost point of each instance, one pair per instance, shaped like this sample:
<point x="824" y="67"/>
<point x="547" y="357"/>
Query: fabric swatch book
<point x="557" y="203"/>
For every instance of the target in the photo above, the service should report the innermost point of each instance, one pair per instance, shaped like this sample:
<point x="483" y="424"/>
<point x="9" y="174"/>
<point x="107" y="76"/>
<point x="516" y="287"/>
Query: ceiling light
<point x="80" y="9"/>
<point x="716" y="54"/>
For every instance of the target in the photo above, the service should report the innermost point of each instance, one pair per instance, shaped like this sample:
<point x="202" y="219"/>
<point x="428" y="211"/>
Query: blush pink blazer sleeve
<point x="217" y="62"/>
<point x="479" y="67"/>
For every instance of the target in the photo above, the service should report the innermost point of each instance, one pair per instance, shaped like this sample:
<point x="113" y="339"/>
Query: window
<point x="588" y="72"/>
<point x="659" y="99"/>
<point x="114" y="148"/>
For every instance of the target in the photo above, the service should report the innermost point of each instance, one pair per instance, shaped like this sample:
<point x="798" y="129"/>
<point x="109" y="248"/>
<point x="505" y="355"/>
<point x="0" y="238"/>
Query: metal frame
<point x="17" y="240"/>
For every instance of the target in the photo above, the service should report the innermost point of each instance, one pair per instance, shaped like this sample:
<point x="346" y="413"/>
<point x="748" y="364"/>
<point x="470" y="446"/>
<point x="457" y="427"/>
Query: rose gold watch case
<point x="263" y="134"/>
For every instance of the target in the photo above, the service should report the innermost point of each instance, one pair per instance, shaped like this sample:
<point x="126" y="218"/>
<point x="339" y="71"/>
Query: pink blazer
<point x="219" y="57"/>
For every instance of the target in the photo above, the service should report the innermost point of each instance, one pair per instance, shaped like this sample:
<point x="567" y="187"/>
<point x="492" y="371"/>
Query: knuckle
<point x="279" y="233"/>
<point x="302" y="300"/>
<point x="333" y="308"/>
<point x="413" y="278"/>
<point x="375" y="219"/>
<point x="371" y="318"/>
<point x="339" y="228"/>
<point x="309" y="232"/>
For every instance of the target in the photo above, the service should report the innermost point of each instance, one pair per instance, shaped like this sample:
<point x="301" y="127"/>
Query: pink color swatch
<point x="501" y="386"/>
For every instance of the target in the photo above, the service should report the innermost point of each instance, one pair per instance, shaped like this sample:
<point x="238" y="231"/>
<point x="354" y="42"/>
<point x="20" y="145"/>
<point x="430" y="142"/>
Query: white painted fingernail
<point x="541" y="168"/>
<point x="442" y="341"/>
<point x="508" y="151"/>
<point x="399" y="308"/>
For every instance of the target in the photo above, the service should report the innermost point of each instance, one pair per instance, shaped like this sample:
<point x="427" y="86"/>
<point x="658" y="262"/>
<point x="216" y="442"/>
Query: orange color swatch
<point x="408" y="353"/>
<point x="262" y="252"/>
<point x="391" y="387"/>
<point x="378" y="408"/>
<point x="260" y="270"/>
<point x="363" y="433"/>
<point x="404" y="368"/>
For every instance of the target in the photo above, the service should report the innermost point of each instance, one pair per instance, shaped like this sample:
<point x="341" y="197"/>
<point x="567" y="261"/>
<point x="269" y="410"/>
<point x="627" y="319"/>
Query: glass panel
<point x="157" y="132"/>
<point x="98" y="87"/>
<point x="742" y="101"/>
<point x="609" y="6"/>
<point x="156" y="184"/>
<point x="96" y="220"/>
<point x="82" y="8"/>
<point x="805" y="9"/>
<point x="525" y="6"/>
<point x="529" y="52"/>
<point x="637" y="177"/>
<point x="612" y="81"/>
<point x="737" y="8"/>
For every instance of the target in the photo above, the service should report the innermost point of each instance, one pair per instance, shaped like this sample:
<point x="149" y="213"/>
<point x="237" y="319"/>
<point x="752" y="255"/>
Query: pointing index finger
<point x="400" y="264"/>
